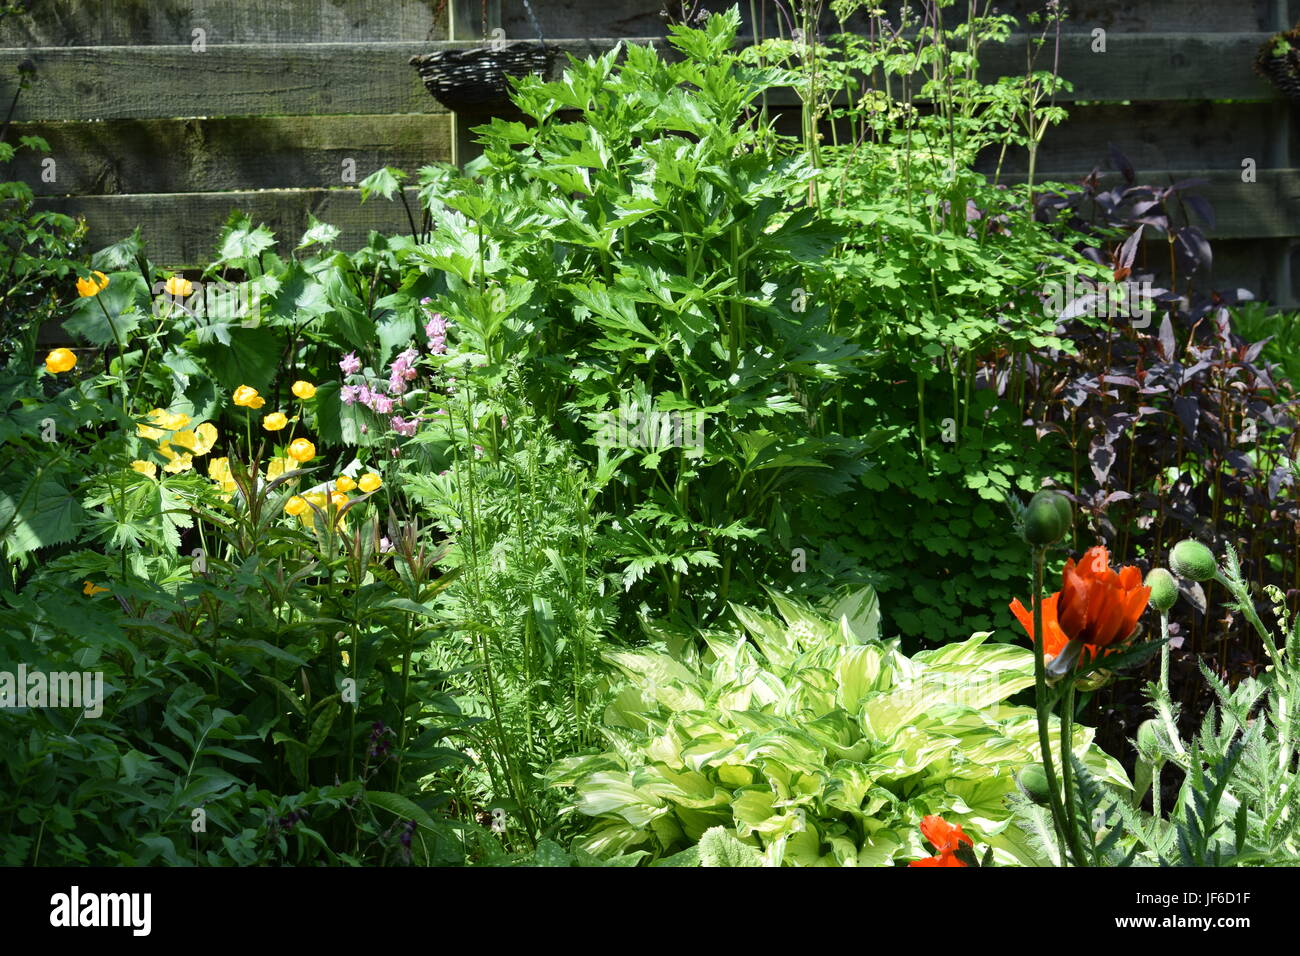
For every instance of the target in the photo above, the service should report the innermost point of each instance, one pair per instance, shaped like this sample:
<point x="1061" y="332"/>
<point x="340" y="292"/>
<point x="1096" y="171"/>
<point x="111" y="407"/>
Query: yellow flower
<point x="303" y="390"/>
<point x="247" y="396"/>
<point x="344" y="483"/>
<point x="308" y="516"/>
<point x="168" y="420"/>
<point x="179" y="286"/>
<point x="96" y="284"/>
<point x="219" y="471"/>
<point x="338" y="499"/>
<point x="295" y="505"/>
<point x="199" y="441"/>
<point x="274" y="421"/>
<point x="145" y="468"/>
<point x="60" y="360"/>
<point x="155" y="415"/>
<point x="207" y="437"/>
<point x="369" y="482"/>
<point x="176" y="463"/>
<point x="277" y="467"/>
<point x="301" y="450"/>
<point x="90" y="589"/>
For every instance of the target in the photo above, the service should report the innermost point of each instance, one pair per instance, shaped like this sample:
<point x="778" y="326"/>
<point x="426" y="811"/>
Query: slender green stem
<point x="1064" y="830"/>
<point x="1169" y="727"/>
<point x="1067" y="753"/>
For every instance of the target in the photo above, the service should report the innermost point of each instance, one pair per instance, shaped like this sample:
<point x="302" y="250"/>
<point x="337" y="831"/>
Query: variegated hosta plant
<point x="814" y="741"/>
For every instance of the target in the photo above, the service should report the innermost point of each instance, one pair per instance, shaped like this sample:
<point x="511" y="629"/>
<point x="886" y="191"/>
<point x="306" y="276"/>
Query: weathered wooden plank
<point x="306" y="79"/>
<point x="1158" y="136"/>
<point x="1268" y="208"/>
<point x="1135" y="67"/>
<point x="154" y="22"/>
<point x="330" y="78"/>
<point x="163" y="22"/>
<point x="182" y="228"/>
<point x="208" y="155"/>
<point x="236" y="80"/>
<point x="1154" y="136"/>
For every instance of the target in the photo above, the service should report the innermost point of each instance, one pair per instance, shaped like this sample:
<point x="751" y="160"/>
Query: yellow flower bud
<point x="179" y="286"/>
<point x="246" y="396"/>
<point x="295" y="505"/>
<point x="60" y="360"/>
<point x="369" y="482"/>
<point x="96" y="284"/>
<point x="344" y="483"/>
<point x="274" y="421"/>
<point x="303" y="390"/>
<point x="301" y="450"/>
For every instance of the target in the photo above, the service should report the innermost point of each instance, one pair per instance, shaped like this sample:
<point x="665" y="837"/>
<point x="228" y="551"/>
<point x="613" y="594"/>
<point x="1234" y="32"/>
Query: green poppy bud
<point x="1032" y="781"/>
<point x="1065" y="511"/>
<point x="1164" y="589"/>
<point x="1043" y="519"/>
<point x="1191" y="559"/>
<point x="1149" y="735"/>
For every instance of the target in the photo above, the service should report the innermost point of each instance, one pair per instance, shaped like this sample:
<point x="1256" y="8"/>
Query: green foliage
<point x="813" y="740"/>
<point x="531" y="609"/>
<point x="260" y="689"/>
<point x="656" y="242"/>
<point x="1237" y="802"/>
<point x="39" y="258"/>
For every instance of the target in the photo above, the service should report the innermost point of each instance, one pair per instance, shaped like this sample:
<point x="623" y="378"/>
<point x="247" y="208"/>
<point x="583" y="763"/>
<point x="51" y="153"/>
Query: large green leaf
<point x="42" y="511"/>
<point x="114" y="314"/>
<point x="719" y="847"/>
<point x="251" y="358"/>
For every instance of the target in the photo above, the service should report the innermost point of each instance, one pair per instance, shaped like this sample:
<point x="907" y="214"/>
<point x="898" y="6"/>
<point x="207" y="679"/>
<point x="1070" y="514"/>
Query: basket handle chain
<point x="528" y="8"/>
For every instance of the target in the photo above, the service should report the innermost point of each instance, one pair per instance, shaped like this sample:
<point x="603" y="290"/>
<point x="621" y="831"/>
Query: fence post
<point x="1283" y="292"/>
<point x="470" y="20"/>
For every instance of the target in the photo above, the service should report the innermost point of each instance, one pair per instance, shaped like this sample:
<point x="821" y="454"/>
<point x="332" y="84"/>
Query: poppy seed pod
<point x="1164" y="589"/>
<point x="1032" y="781"/>
<point x="1191" y="559"/>
<point x="1047" y="518"/>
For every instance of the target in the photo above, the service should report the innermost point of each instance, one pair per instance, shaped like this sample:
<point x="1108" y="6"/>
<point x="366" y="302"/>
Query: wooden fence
<point x="168" y="114"/>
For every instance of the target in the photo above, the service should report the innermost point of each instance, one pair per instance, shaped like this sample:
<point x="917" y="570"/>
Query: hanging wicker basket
<point x="476" y="79"/>
<point x="1279" y="62"/>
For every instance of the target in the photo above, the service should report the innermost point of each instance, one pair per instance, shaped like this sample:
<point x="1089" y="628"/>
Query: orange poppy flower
<point x="1096" y="607"/>
<point x="946" y="838"/>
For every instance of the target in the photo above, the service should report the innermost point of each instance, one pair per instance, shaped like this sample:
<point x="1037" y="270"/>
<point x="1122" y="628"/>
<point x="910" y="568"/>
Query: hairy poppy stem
<point x="1170" y="729"/>
<point x="1067" y="755"/>
<point x="1064" y="831"/>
